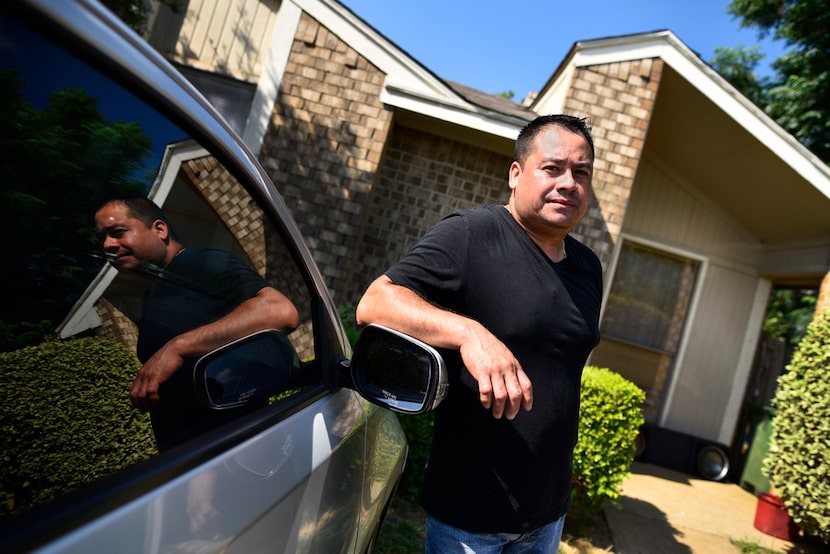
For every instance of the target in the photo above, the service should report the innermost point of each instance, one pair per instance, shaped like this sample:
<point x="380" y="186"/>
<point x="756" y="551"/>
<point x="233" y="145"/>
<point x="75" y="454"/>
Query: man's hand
<point x="144" y="392"/>
<point x="502" y="384"/>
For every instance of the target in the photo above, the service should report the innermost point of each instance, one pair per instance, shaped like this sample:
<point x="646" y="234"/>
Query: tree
<point x="797" y="97"/>
<point x="136" y="12"/>
<point x="66" y="141"/>
<point x="737" y="65"/>
<point x="789" y="313"/>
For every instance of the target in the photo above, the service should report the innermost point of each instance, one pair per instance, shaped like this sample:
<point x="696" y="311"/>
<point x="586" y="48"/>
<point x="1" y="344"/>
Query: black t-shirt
<point x="494" y="475"/>
<point x="199" y="286"/>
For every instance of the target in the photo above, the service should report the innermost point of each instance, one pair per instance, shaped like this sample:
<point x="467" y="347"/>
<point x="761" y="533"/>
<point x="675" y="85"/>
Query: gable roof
<point x="708" y="131"/>
<point x="413" y="87"/>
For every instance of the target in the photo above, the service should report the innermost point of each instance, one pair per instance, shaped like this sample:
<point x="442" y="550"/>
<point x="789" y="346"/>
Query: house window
<point x="644" y="317"/>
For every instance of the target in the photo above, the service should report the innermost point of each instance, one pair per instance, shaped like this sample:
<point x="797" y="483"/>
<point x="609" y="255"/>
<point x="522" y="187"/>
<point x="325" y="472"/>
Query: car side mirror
<point x="248" y="370"/>
<point x="397" y="371"/>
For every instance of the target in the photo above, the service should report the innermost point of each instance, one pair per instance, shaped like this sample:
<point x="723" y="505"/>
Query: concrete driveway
<point x="667" y="512"/>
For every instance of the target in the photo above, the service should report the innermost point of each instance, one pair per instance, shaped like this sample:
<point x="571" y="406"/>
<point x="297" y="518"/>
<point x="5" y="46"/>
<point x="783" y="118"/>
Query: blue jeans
<point x="446" y="539"/>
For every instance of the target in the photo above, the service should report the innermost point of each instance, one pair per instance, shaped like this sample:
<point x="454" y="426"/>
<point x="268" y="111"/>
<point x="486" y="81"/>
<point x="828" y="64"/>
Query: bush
<point x="418" y="431"/>
<point x="798" y="462"/>
<point x="66" y="419"/>
<point x="347" y="317"/>
<point x="610" y="418"/>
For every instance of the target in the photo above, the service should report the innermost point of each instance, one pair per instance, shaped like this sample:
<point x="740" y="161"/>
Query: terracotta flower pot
<point x="772" y="518"/>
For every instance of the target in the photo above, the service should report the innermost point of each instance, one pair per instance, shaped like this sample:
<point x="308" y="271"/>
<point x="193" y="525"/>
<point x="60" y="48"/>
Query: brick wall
<point x="423" y="177"/>
<point x="619" y="99"/>
<point x="324" y="144"/>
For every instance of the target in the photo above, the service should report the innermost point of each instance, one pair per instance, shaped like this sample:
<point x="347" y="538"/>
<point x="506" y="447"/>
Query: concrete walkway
<point x="666" y="512"/>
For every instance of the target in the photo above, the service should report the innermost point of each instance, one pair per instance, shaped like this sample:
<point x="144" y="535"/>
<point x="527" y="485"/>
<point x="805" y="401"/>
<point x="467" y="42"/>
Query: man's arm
<point x="503" y="385"/>
<point x="268" y="309"/>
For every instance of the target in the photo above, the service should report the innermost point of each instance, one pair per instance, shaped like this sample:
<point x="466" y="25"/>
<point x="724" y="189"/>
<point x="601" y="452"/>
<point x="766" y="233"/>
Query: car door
<point x="89" y="113"/>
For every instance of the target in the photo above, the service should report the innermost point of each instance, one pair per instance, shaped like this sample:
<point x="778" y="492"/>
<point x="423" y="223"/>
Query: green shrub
<point x="610" y="418"/>
<point x="347" y="316"/>
<point x="66" y="419"/>
<point x="798" y="462"/>
<point x="418" y="431"/>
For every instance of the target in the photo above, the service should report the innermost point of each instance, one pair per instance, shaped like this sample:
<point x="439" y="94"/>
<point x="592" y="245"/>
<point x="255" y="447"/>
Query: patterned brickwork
<point x="423" y="178"/>
<point x="242" y="217"/>
<point x="115" y="325"/>
<point x="325" y="141"/>
<point x="618" y="98"/>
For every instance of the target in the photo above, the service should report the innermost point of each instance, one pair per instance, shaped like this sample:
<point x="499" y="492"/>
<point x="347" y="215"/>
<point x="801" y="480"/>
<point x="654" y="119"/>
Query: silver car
<point x="88" y="112"/>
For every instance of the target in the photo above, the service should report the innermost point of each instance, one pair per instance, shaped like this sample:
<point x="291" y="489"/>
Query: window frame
<point x="678" y="356"/>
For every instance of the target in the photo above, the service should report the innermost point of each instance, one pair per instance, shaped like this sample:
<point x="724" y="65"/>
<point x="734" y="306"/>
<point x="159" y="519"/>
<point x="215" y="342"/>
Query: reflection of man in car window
<point x="201" y="299"/>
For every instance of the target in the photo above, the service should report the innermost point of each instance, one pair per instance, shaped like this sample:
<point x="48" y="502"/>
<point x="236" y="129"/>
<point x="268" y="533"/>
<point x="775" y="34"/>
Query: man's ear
<point x="513" y="175"/>
<point x="161" y="229"/>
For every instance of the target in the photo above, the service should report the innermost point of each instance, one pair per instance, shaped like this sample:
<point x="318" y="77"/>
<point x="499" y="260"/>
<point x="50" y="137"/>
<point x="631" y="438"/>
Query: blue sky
<point x="516" y="45"/>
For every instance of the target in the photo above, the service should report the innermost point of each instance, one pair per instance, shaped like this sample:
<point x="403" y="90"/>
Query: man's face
<point x="127" y="241"/>
<point x="552" y="191"/>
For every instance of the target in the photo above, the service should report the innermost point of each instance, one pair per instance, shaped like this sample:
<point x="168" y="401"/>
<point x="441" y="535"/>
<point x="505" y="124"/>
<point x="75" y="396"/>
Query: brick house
<point x="702" y="204"/>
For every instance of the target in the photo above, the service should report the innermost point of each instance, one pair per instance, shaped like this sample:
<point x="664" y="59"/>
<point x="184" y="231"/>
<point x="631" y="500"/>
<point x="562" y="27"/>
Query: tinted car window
<point x="70" y="139"/>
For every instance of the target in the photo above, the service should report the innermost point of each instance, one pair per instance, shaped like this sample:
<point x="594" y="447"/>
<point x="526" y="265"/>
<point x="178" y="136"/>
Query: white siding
<point x="703" y="378"/>
<point x="230" y="37"/>
<point x="665" y="209"/>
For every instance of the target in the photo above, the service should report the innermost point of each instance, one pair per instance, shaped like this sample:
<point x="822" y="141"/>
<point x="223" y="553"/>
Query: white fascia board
<point x="400" y="68"/>
<point x="678" y="56"/>
<point x="464" y="115"/>
<point x="408" y="85"/>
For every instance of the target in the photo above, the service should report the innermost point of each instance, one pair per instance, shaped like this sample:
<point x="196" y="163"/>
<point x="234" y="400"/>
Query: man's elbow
<point x="362" y="313"/>
<point x="291" y="317"/>
<point x="283" y="313"/>
<point x="366" y="307"/>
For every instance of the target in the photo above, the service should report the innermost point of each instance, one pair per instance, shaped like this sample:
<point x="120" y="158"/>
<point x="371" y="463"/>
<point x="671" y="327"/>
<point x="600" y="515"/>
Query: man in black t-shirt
<point x="200" y="299"/>
<point x="514" y="302"/>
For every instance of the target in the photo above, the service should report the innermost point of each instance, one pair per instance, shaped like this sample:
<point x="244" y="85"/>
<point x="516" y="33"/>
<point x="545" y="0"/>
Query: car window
<point x="73" y="322"/>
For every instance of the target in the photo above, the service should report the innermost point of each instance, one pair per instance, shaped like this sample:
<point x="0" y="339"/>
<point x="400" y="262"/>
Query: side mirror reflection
<point x="249" y="370"/>
<point x="397" y="371"/>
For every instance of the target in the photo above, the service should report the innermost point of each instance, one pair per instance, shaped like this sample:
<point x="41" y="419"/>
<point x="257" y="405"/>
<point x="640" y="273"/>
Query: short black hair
<point x="144" y="210"/>
<point x="524" y="143"/>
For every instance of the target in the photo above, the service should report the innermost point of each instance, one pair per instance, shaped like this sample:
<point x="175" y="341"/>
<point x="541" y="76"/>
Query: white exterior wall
<point x="717" y="349"/>
<point x="231" y="37"/>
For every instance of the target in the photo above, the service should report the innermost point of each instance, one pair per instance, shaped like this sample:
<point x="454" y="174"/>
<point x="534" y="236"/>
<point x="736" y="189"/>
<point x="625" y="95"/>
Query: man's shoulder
<point x="486" y="214"/>
<point x="580" y="250"/>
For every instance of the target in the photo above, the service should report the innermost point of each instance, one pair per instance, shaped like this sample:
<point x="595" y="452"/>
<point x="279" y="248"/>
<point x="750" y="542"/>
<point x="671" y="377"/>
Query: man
<point x="515" y="302"/>
<point x="200" y="299"/>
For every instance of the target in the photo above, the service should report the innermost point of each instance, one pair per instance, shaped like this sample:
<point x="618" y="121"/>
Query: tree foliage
<point x="67" y="141"/>
<point x="789" y="313"/>
<point x="135" y="13"/>
<point x="797" y="97"/>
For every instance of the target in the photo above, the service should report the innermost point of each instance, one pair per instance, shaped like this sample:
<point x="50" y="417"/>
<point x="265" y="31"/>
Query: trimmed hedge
<point x="66" y="419"/>
<point x="609" y="421"/>
<point x="798" y="461"/>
